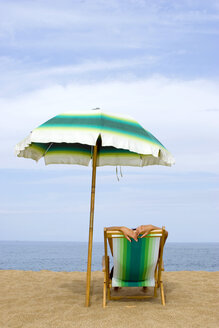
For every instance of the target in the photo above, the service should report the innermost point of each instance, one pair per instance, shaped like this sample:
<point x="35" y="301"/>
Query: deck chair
<point x="136" y="264"/>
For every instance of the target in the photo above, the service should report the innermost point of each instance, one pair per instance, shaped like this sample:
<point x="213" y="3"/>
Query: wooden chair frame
<point x="107" y="285"/>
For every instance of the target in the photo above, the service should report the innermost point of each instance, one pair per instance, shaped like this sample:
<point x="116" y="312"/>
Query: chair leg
<point x="108" y="293"/>
<point x="162" y="293"/>
<point x="104" y="289"/>
<point x="155" y="291"/>
<point x="156" y="285"/>
<point x="104" y="294"/>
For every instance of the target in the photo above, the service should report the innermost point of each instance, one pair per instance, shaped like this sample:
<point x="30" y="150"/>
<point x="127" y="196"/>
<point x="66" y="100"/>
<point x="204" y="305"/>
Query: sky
<point x="156" y="61"/>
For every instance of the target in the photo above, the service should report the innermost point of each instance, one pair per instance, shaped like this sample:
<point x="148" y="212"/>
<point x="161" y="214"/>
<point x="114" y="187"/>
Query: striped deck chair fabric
<point x="135" y="262"/>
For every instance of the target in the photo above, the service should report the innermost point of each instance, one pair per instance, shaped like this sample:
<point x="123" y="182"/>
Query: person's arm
<point x="144" y="230"/>
<point x="128" y="233"/>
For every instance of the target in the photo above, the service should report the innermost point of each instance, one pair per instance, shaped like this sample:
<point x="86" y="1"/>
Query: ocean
<point x="72" y="256"/>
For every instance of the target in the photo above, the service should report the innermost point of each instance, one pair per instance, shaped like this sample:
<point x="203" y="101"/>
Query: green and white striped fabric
<point x="135" y="262"/>
<point x="69" y="138"/>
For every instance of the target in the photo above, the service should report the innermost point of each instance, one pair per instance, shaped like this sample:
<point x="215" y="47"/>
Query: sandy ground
<point x="48" y="299"/>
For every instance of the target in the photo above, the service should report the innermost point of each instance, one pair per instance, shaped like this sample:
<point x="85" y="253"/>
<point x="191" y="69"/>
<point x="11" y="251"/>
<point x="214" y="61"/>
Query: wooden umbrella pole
<point x="94" y="162"/>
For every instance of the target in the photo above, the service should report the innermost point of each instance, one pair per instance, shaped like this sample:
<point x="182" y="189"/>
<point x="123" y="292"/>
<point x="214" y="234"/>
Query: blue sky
<point x="154" y="60"/>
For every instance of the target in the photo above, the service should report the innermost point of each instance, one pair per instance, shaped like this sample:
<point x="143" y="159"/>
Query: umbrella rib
<point x="48" y="148"/>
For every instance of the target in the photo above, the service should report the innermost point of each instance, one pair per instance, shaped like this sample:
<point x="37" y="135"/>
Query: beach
<point x="47" y="299"/>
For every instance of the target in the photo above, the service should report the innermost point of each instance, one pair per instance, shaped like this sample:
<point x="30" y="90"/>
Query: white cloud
<point x="17" y="77"/>
<point x="101" y="22"/>
<point x="55" y="15"/>
<point x="95" y="66"/>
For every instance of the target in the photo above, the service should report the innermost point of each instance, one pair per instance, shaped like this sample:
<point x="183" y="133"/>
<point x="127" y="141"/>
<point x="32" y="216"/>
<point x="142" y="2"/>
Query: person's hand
<point x="143" y="230"/>
<point x="129" y="233"/>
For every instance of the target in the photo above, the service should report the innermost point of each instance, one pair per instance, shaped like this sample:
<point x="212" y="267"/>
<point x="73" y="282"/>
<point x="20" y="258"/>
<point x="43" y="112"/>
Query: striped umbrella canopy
<point x="68" y="139"/>
<point x="107" y="139"/>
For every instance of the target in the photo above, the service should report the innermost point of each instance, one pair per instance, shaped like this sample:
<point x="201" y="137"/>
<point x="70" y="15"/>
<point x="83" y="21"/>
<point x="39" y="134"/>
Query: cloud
<point x="47" y="42"/>
<point x="55" y="15"/>
<point x="22" y="77"/>
<point x="211" y="110"/>
<point x="46" y="24"/>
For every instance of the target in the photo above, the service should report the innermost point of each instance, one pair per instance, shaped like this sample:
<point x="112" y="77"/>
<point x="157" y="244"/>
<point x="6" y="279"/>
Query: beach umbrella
<point x="106" y="139"/>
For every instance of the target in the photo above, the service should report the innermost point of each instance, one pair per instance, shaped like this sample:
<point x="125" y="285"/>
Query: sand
<point x="48" y="299"/>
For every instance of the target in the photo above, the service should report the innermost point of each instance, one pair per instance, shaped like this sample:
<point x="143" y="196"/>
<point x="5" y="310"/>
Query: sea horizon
<point x="99" y="242"/>
<point x="68" y="256"/>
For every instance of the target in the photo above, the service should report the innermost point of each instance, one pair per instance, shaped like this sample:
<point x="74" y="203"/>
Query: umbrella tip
<point x="97" y="108"/>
